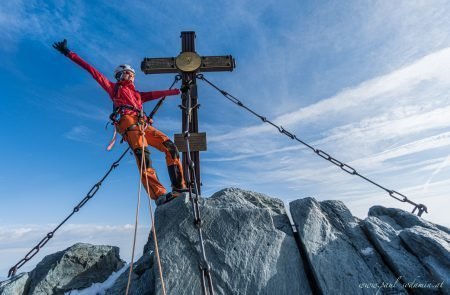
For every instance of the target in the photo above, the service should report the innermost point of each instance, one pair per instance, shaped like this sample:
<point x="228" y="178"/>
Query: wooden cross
<point x="188" y="63"/>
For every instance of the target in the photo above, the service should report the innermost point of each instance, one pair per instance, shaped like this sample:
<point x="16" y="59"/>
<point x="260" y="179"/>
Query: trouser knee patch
<point x="173" y="150"/>
<point x="175" y="175"/>
<point x="138" y="153"/>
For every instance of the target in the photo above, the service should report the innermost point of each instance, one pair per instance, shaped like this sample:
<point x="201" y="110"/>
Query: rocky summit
<point x="77" y="267"/>
<point x="252" y="248"/>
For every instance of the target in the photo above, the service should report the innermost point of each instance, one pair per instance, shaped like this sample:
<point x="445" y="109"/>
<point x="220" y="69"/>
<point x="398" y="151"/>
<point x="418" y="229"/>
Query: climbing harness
<point x="350" y="170"/>
<point x="114" y="117"/>
<point x="205" y="270"/>
<point x="90" y="195"/>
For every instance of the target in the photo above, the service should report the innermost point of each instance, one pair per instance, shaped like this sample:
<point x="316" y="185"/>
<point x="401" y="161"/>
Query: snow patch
<point x="367" y="251"/>
<point x="99" y="288"/>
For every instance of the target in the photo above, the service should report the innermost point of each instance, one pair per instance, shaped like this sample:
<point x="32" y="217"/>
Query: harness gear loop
<point x="89" y="195"/>
<point x="347" y="168"/>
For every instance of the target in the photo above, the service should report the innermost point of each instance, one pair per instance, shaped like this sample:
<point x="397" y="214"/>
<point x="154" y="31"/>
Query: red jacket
<point x="125" y="94"/>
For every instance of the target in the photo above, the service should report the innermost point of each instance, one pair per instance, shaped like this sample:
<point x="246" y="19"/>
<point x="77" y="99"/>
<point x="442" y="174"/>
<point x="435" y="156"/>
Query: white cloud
<point x="80" y="133"/>
<point x="442" y="165"/>
<point x="17" y="241"/>
<point x="20" y="19"/>
<point x="392" y="128"/>
<point x="394" y="88"/>
<point x="425" y="144"/>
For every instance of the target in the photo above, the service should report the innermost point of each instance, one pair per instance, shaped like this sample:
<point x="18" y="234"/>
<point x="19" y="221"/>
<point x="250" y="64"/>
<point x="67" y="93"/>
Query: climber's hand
<point x="185" y="88"/>
<point x="62" y="47"/>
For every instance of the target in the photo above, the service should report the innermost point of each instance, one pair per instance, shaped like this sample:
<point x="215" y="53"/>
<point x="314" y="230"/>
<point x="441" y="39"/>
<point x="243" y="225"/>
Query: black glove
<point x="186" y="86"/>
<point x="62" y="47"/>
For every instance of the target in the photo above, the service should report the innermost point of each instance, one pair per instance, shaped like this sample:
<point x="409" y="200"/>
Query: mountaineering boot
<point x="166" y="198"/>
<point x="163" y="199"/>
<point x="179" y="191"/>
<point x="176" y="176"/>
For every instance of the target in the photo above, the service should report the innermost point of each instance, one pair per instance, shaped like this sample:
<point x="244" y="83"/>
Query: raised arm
<point x="150" y="95"/>
<point x="99" y="77"/>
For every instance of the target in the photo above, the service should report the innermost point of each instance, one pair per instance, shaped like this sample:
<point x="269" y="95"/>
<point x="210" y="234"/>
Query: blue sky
<point x="366" y="81"/>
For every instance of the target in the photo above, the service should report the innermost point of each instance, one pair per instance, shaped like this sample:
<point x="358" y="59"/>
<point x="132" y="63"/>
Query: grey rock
<point x="248" y="243"/>
<point x="415" y="249"/>
<point x="402" y="219"/>
<point x="142" y="278"/>
<point x="74" y="268"/>
<point x="341" y="257"/>
<point x="251" y="249"/>
<point x="432" y="248"/>
<point x="16" y="285"/>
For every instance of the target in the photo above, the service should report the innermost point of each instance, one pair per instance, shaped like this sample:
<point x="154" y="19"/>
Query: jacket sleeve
<point x="99" y="77"/>
<point x="146" y="96"/>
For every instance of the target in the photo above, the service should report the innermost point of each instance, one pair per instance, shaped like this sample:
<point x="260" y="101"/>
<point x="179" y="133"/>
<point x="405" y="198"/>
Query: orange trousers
<point x="138" y="142"/>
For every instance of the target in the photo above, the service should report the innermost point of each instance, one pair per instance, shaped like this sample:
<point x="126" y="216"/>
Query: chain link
<point x="347" y="168"/>
<point x="160" y="102"/>
<point x="205" y="270"/>
<point x="89" y="195"/>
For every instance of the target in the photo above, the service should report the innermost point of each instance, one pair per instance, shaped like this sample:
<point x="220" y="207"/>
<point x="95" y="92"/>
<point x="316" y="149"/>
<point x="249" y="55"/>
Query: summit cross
<point x="188" y="64"/>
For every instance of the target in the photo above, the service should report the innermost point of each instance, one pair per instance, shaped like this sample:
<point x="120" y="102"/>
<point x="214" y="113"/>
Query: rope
<point x="144" y="168"/>
<point x="205" y="270"/>
<point x="136" y="221"/>
<point x="350" y="170"/>
<point x="156" y="246"/>
<point x="154" y="231"/>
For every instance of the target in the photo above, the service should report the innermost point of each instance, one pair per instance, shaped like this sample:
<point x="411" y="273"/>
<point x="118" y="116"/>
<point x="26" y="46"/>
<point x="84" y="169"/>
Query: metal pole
<point x="188" y="45"/>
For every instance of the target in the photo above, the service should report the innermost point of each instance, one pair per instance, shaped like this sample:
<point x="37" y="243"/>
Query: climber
<point x="128" y="118"/>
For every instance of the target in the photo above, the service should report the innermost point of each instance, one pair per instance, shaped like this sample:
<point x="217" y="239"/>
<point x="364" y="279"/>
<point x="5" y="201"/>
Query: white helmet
<point x="118" y="71"/>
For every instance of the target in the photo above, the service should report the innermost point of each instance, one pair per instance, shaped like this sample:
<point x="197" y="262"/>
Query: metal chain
<point x="90" y="195"/>
<point x="192" y="185"/>
<point x="160" y="102"/>
<point x="350" y="170"/>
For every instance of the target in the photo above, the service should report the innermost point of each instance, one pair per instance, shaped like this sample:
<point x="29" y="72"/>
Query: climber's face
<point x="128" y="76"/>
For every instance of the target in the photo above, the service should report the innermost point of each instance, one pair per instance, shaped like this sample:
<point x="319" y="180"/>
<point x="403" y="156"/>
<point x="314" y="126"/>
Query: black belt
<point x="119" y="111"/>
